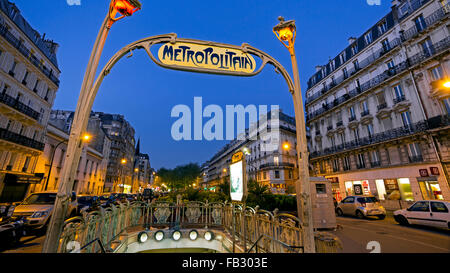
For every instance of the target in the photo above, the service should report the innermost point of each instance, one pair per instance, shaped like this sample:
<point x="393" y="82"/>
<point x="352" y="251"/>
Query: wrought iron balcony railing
<point x="413" y="32"/>
<point x="276" y="165"/>
<point x="435" y="49"/>
<point x="365" y="113"/>
<point x="19" y="106"/>
<point x="433" y="123"/>
<point x="399" y="99"/>
<point x="382" y="106"/>
<point x="21" y="140"/>
<point x="361" y="65"/>
<point x="435" y="17"/>
<point x="4" y="32"/>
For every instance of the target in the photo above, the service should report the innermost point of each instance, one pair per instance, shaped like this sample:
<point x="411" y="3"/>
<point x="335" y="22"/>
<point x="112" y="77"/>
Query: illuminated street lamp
<point x="446" y="84"/>
<point x="123" y="161"/>
<point x="286" y="32"/>
<point x="81" y="117"/>
<point x="286" y="146"/>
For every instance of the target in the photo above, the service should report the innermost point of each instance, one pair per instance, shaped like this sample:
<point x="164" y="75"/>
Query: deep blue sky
<point x="146" y="93"/>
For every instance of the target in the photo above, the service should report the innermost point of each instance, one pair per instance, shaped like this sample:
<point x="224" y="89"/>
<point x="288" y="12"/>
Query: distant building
<point x="92" y="167"/>
<point x="119" y="175"/>
<point x="142" y="170"/>
<point x="276" y="168"/>
<point x="28" y="84"/>
<point x="378" y="112"/>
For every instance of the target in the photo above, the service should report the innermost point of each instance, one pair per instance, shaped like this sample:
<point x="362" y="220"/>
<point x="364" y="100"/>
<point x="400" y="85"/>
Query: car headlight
<point x="40" y="214"/>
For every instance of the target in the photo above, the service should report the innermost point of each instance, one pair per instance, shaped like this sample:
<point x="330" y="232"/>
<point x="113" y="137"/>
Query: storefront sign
<point x="237" y="157"/>
<point x="217" y="58"/>
<point x="434" y="170"/>
<point x="423" y="172"/>
<point x="357" y="189"/>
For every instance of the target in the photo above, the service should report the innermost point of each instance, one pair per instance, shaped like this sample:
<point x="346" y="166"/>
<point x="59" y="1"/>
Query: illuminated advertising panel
<point x="237" y="181"/>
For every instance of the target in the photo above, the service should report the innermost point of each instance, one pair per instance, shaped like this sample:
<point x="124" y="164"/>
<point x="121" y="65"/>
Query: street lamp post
<point x="286" y="32"/>
<point x="86" y="137"/>
<point x="123" y="8"/>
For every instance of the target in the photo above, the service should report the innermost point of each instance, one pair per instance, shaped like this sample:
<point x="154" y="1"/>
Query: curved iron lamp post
<point x="123" y="8"/>
<point x="286" y="32"/>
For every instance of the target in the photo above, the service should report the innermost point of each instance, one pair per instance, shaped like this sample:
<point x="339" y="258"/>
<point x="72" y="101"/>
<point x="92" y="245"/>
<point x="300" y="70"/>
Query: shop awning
<point x="24" y="178"/>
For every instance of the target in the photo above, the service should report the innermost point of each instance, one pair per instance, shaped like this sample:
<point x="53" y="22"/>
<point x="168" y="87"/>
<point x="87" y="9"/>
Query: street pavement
<point x="387" y="236"/>
<point x="355" y="234"/>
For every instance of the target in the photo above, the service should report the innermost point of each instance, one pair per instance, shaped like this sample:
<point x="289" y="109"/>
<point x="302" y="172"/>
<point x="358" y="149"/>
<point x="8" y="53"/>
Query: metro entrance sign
<point x="181" y="54"/>
<point x="184" y="55"/>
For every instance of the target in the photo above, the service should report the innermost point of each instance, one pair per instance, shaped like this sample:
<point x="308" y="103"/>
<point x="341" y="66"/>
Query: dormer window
<point x="368" y="38"/>
<point x="382" y="27"/>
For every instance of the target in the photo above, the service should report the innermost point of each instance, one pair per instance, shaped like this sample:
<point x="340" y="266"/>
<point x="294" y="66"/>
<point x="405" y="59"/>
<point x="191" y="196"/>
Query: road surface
<point x="386" y="236"/>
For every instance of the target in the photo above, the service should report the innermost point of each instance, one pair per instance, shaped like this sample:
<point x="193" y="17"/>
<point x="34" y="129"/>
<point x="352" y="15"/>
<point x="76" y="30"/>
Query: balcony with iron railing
<point x="382" y="106"/>
<point x="399" y="99"/>
<point x="19" y="106"/>
<point x="339" y="124"/>
<point x="429" y="21"/>
<point x="21" y="140"/>
<point x="365" y="113"/>
<point x="361" y="65"/>
<point x="432" y="19"/>
<point x="276" y="165"/>
<point x="8" y="36"/>
<point x="435" y="49"/>
<point x="419" y="127"/>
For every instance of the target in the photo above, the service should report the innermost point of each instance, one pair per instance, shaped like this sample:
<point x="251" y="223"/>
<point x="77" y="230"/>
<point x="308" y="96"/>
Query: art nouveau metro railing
<point x="282" y="232"/>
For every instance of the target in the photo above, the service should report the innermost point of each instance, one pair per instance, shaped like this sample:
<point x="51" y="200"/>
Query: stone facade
<point x="28" y="84"/>
<point x="377" y="112"/>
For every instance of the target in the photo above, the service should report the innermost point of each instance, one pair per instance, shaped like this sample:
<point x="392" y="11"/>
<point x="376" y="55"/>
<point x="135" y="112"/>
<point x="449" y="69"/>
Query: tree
<point x="180" y="177"/>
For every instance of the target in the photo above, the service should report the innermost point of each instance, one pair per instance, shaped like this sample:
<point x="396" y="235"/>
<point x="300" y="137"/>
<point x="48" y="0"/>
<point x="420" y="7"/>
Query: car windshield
<point x="40" y="199"/>
<point x="367" y="199"/>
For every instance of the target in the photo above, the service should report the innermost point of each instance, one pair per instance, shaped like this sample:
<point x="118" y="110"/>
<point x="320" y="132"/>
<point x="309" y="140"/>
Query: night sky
<point x="146" y="93"/>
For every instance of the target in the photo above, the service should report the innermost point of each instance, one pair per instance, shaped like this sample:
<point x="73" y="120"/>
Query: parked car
<point x="361" y="207"/>
<point x="433" y="213"/>
<point x="87" y="203"/>
<point x="106" y="200"/>
<point x="11" y="232"/>
<point x="37" y="208"/>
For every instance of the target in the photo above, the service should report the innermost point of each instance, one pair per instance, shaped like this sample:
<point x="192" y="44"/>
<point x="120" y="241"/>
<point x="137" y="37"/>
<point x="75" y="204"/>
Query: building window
<point x="406" y="118"/>
<point x="276" y="160"/>
<point x="321" y="189"/>
<point x="290" y="174"/>
<point x="382" y="27"/>
<point x="398" y="92"/>
<point x="354" y="50"/>
<point x="335" y="163"/>
<point x="415" y="151"/>
<point x="35" y="86"/>
<point x="344" y="71"/>
<point x="342" y="57"/>
<point x="277" y="174"/>
<point x="427" y="47"/>
<point x="446" y="103"/>
<point x="390" y="64"/>
<point x="11" y="72"/>
<point x="368" y="38"/>
<point x="420" y="23"/>
<point x="356" y="65"/>
<point x="351" y="112"/>
<point x="369" y="128"/>
<point x="436" y="73"/>
<point x="386" y="45"/>
<point x="375" y="158"/>
<point x="346" y="163"/>
<point x="342" y="137"/>
<point x="355" y="132"/>
<point x="361" y="162"/>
